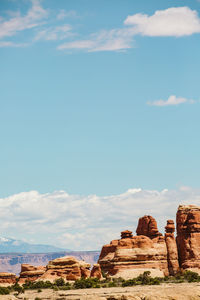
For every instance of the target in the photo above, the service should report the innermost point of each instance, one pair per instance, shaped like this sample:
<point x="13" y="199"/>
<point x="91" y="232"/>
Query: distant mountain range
<point x="8" y="245"/>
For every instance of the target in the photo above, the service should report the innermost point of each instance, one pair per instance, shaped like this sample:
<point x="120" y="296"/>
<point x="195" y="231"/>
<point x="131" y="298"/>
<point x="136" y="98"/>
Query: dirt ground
<point x="181" y="291"/>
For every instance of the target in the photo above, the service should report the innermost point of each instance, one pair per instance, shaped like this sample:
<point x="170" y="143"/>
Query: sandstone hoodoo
<point x="126" y="234"/>
<point x="172" y="252"/>
<point x="188" y="236"/>
<point x="147" y="226"/>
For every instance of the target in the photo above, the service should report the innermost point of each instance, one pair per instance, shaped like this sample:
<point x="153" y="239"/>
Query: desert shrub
<point x="18" y="288"/>
<point x="28" y="285"/>
<point x="129" y="282"/>
<point x="85" y="283"/>
<point x="4" y="290"/>
<point x="65" y="287"/>
<point x="59" y="282"/>
<point x="112" y="284"/>
<point x="143" y="279"/>
<point x="191" y="276"/>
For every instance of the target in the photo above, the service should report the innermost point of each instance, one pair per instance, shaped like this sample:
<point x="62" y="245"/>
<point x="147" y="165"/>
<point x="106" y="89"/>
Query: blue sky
<point x="98" y="97"/>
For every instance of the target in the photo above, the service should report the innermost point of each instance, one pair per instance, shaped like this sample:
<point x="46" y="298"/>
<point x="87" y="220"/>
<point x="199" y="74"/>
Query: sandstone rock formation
<point x="147" y="226"/>
<point x="30" y="273"/>
<point x="7" y="278"/>
<point x="188" y="236"/>
<point x="132" y="255"/>
<point x="172" y="252"/>
<point x="96" y="271"/>
<point x="68" y="268"/>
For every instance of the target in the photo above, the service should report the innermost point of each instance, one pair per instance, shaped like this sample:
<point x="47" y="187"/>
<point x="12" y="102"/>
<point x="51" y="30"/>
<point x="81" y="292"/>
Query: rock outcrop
<point x="30" y="273"/>
<point x="147" y="226"/>
<point x="132" y="255"/>
<point x="7" y="278"/>
<point x="172" y="252"/>
<point x="96" y="271"/>
<point x="68" y="268"/>
<point x="188" y="236"/>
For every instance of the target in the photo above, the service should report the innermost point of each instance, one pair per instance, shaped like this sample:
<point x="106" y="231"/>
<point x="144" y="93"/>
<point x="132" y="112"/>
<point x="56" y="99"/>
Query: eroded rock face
<point x="30" y="273"/>
<point x="172" y="252"/>
<point x="7" y="278"/>
<point x="68" y="268"/>
<point x="96" y="271"/>
<point x="188" y="236"/>
<point x="132" y="255"/>
<point x="147" y="226"/>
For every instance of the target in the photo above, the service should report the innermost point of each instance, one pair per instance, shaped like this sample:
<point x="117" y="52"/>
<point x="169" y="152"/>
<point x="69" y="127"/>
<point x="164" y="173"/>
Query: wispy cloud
<point x="56" y="33"/>
<point x="86" y="222"/>
<point x="112" y="40"/>
<point x="63" y="14"/>
<point x="18" y="23"/>
<point x="4" y="44"/>
<point x="174" y="21"/>
<point x="171" y="101"/>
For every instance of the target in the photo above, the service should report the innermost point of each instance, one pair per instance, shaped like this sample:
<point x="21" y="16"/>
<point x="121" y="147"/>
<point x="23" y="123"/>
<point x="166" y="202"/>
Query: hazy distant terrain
<point x="8" y="245"/>
<point x="11" y="262"/>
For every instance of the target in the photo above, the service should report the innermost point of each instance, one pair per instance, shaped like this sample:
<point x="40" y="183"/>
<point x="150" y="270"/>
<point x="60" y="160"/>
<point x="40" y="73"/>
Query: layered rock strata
<point x="30" y="273"/>
<point x="132" y="255"/>
<point x="68" y="268"/>
<point x="7" y="278"/>
<point x="188" y="236"/>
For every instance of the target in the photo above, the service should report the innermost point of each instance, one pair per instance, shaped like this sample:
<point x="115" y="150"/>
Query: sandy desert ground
<point x="180" y="291"/>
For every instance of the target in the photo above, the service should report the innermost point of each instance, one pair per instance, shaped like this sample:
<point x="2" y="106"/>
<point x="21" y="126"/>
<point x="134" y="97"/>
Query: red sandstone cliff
<point x="188" y="236"/>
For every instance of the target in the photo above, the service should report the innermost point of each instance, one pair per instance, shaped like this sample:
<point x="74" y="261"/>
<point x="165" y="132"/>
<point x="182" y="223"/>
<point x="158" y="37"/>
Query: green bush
<point x="85" y="283"/>
<point x="191" y="276"/>
<point x="4" y="290"/>
<point x="59" y="282"/>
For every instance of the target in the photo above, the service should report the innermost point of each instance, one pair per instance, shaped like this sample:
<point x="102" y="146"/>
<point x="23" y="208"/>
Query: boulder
<point x="188" y="236"/>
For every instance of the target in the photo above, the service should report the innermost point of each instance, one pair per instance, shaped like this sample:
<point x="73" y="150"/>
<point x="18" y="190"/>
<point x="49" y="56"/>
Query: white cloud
<point x="171" y="101"/>
<point x="174" y="21"/>
<point x="18" y="23"/>
<point x="86" y="222"/>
